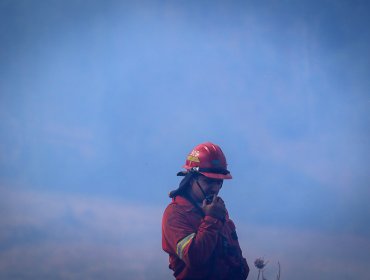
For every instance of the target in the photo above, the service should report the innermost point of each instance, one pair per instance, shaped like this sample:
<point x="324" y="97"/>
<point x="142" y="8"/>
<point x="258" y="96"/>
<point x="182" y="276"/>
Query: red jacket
<point x="201" y="247"/>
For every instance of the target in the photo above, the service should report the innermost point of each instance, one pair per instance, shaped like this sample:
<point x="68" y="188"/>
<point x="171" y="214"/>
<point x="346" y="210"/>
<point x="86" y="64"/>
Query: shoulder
<point x="174" y="210"/>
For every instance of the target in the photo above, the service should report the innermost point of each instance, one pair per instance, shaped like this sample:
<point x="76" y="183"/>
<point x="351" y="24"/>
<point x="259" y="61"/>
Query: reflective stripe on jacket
<point x="201" y="247"/>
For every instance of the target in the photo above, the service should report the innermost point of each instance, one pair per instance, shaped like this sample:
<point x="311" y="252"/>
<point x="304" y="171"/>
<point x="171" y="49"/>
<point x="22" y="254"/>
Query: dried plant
<point x="260" y="264"/>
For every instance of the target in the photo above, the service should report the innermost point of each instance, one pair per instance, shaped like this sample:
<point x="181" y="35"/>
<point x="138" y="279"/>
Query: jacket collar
<point x="187" y="204"/>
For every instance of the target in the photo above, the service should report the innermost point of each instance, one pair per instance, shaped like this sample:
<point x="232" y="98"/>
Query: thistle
<point x="261" y="264"/>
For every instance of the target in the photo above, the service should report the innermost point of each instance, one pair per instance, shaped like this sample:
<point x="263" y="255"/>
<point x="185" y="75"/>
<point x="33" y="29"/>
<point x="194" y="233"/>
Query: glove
<point x="215" y="209"/>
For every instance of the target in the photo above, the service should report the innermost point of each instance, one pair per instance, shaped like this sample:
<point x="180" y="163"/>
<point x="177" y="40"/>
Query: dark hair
<point x="184" y="184"/>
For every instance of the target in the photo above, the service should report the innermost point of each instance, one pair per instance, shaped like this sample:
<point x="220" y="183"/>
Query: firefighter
<point x="197" y="233"/>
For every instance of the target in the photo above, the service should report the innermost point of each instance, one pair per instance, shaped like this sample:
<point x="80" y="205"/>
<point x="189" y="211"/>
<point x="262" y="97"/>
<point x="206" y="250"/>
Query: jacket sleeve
<point x="241" y="268"/>
<point x="192" y="245"/>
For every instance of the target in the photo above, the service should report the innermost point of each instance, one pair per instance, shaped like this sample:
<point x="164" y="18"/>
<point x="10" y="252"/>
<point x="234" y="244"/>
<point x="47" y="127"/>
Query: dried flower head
<point x="260" y="263"/>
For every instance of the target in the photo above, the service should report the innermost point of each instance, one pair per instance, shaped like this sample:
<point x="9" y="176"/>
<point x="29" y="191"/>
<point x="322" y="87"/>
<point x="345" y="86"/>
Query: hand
<point x="215" y="209"/>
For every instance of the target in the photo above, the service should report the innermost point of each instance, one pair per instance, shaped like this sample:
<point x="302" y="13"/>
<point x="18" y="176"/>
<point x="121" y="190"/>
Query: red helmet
<point x="209" y="160"/>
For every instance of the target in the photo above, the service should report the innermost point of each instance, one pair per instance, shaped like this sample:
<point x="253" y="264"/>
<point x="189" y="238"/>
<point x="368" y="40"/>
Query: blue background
<point x="101" y="101"/>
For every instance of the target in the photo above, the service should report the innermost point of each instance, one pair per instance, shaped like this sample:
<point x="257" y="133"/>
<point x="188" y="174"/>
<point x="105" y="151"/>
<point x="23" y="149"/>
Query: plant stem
<point x="278" y="276"/>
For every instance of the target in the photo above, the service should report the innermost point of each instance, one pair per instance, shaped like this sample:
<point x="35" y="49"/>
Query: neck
<point x="193" y="201"/>
<point x="193" y="198"/>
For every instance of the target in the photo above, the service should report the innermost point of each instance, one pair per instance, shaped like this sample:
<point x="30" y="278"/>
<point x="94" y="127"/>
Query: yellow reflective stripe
<point x="193" y="158"/>
<point x="182" y="244"/>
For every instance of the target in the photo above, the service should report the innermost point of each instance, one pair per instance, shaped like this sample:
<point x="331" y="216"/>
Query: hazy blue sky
<point x="100" y="102"/>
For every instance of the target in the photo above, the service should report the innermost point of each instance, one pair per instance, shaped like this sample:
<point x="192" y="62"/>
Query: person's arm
<point x="242" y="270"/>
<point x="195" y="245"/>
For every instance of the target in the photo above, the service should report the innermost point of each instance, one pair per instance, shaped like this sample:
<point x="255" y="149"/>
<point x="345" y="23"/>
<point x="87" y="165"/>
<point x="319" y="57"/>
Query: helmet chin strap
<point x="203" y="192"/>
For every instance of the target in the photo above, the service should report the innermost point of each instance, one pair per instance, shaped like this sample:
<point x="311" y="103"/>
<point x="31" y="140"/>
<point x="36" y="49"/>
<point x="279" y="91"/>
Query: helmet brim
<point x="217" y="176"/>
<point x="209" y="175"/>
